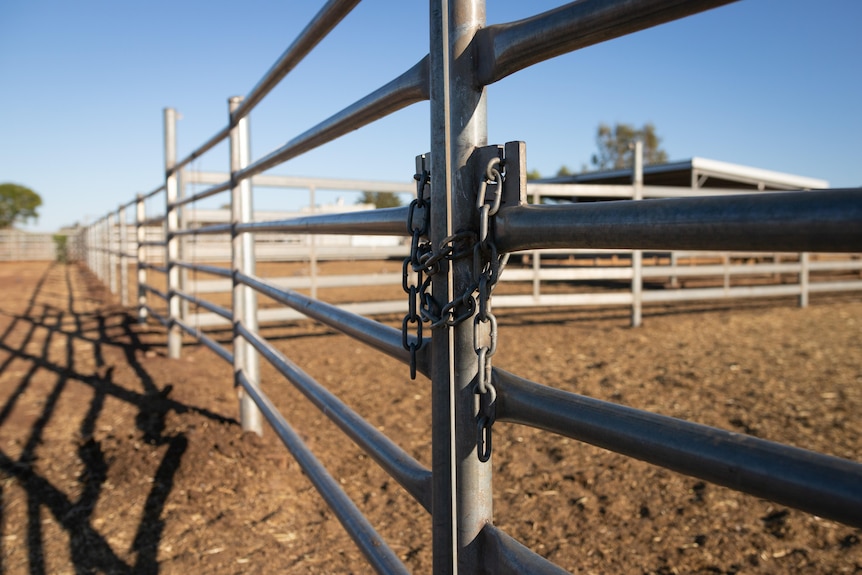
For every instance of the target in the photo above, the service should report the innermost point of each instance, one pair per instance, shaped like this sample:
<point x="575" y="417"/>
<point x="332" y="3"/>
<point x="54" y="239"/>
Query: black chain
<point x="475" y="301"/>
<point x="413" y="283"/>
<point x="487" y="267"/>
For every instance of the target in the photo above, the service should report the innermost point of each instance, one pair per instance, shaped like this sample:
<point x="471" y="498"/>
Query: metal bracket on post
<point x="513" y="162"/>
<point x="515" y="182"/>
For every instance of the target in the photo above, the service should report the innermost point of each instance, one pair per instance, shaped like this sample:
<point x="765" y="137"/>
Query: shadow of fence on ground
<point x="54" y="314"/>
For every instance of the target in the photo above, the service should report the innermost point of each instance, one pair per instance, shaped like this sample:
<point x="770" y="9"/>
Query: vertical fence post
<point x="97" y="261"/>
<point x="97" y="243"/>
<point x="804" y="268"/>
<point x="175" y="338"/>
<point x="88" y="245"/>
<point x="94" y="236"/>
<point x="312" y="241"/>
<point x="141" y="255"/>
<point x="674" y="279"/>
<point x="245" y="357"/>
<point x="124" y="256"/>
<point x="110" y="223"/>
<point x="183" y="245"/>
<point x="88" y="241"/>
<point x="84" y="240"/>
<point x="537" y="260"/>
<point x="637" y="255"/>
<point x="725" y="260"/>
<point x="93" y="248"/>
<point x="103" y="250"/>
<point x="462" y="484"/>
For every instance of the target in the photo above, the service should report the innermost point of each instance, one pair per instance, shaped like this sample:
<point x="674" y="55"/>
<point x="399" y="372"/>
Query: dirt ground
<point x="115" y="459"/>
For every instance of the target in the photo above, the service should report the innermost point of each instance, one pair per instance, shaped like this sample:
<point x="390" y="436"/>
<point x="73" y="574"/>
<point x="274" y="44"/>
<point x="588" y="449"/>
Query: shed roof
<point x="705" y="172"/>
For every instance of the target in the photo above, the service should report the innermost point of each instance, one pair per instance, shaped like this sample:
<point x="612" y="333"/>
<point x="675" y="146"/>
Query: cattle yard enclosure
<point x="468" y="224"/>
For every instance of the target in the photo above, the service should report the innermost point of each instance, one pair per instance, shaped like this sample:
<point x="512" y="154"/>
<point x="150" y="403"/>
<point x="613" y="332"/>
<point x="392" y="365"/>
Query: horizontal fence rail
<point x="825" y="221"/>
<point x="824" y="485"/>
<point x="471" y="231"/>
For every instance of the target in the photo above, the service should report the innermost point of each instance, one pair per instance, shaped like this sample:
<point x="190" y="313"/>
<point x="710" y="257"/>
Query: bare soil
<point x="116" y="459"/>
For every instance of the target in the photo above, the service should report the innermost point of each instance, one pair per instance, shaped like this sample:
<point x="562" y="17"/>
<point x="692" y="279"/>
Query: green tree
<point x="380" y="199"/>
<point x="534" y="174"/>
<point x="17" y="204"/>
<point x="616" y="146"/>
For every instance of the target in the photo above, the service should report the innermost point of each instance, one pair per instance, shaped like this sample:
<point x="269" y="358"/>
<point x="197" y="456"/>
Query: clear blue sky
<point x="775" y="84"/>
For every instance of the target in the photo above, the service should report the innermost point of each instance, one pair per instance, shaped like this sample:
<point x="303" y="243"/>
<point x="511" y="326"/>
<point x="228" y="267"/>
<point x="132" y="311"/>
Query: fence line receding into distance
<point x="470" y="213"/>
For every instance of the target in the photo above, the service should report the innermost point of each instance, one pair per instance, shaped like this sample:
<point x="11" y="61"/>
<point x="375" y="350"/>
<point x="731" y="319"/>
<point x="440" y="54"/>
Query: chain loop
<point x="487" y="267"/>
<point x="475" y="301"/>
<point x="485" y="419"/>
<point x="413" y="283"/>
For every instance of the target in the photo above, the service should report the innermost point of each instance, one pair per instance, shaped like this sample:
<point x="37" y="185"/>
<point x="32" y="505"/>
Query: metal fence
<point x="18" y="245"/>
<point x="537" y="278"/>
<point x="469" y="214"/>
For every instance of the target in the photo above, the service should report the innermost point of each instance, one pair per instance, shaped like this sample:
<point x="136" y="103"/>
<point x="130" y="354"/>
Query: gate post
<point x="245" y="358"/>
<point x="461" y="483"/>
<point x="637" y="255"/>
<point x="175" y="337"/>
<point x="140" y="256"/>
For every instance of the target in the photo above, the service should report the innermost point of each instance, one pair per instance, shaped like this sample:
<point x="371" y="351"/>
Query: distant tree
<point x="380" y="199"/>
<point x="534" y="174"/>
<point x="564" y="171"/>
<point x="17" y="204"/>
<point x="616" y="146"/>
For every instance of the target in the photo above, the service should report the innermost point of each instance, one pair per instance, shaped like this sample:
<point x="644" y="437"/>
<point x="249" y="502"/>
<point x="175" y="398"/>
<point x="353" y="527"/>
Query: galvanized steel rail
<point x="465" y="56"/>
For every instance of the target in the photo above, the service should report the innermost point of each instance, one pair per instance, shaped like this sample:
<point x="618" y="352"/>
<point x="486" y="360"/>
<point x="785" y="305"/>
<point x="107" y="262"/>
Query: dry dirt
<point x="115" y="459"/>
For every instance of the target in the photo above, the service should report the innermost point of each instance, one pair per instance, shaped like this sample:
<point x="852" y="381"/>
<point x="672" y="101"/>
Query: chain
<point x="414" y="284"/>
<point x="423" y="262"/>
<point x="417" y="271"/>
<point x="487" y="267"/>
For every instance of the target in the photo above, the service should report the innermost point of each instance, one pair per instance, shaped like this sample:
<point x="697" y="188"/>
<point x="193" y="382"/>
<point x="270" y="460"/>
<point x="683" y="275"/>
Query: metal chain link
<point x="413" y="283"/>
<point x="487" y="267"/>
<point x="417" y="271"/>
<point x="423" y="262"/>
